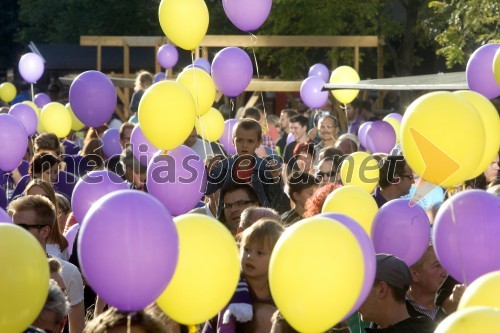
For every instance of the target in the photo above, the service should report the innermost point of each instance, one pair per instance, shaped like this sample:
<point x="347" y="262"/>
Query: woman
<point x="142" y="82"/>
<point x="57" y="245"/>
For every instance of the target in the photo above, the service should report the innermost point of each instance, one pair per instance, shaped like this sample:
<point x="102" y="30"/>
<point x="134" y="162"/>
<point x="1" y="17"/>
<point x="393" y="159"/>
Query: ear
<point x="294" y="198"/>
<point x="414" y="275"/>
<point x="382" y="290"/>
<point x="45" y="232"/>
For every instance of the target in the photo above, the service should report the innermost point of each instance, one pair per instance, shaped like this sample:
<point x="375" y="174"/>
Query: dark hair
<point x="252" y="113"/>
<point x="302" y="120"/>
<point x="113" y="317"/>
<point x="124" y="126"/>
<point x="299" y="181"/>
<point x="252" y="195"/>
<point x="92" y="151"/>
<point x="305" y="147"/>
<point x="390" y="170"/>
<point x="356" y="103"/>
<point x="48" y="142"/>
<point x="290" y="112"/>
<point x="41" y="162"/>
<point x="248" y="124"/>
<point x="398" y="294"/>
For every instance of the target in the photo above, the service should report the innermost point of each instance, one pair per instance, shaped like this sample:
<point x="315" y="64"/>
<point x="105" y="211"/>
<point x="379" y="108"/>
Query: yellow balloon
<point x="8" y="92"/>
<point x="76" y="124"/>
<point x="201" y="86"/>
<point x="316" y="273"/>
<point x="167" y="113"/>
<point x="491" y="123"/>
<point x="184" y="22"/>
<point x="354" y="202"/>
<point x="442" y="137"/>
<point x="24" y="281"/>
<point x="344" y="74"/>
<point x="210" y="126"/>
<point x="475" y="319"/>
<point x="396" y="125"/>
<point x="55" y="118"/>
<point x="360" y="169"/>
<point x="207" y="272"/>
<point x="496" y="66"/>
<point x="484" y="291"/>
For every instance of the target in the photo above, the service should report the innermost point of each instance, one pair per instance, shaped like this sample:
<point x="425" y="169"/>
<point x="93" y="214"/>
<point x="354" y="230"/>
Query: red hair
<point x="315" y="203"/>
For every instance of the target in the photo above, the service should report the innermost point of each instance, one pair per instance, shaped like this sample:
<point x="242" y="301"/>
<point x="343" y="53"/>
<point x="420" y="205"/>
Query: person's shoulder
<point x="420" y="324"/>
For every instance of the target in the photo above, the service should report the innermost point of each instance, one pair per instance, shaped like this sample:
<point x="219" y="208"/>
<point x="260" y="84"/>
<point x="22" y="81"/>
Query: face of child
<point x="246" y="141"/>
<point x="254" y="259"/>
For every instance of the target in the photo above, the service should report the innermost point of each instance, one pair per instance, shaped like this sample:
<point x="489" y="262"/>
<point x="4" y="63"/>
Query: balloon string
<point x="460" y="257"/>
<point x="129" y="322"/>
<point x="253" y="41"/>
<point x="32" y="93"/>
<point x="200" y="123"/>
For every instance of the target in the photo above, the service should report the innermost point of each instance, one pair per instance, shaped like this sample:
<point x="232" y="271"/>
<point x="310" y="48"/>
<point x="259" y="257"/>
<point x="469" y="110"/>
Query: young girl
<point x="256" y="245"/>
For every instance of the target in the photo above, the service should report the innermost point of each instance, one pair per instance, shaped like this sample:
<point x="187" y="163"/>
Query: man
<point x="203" y="148"/>
<point x="396" y="178"/>
<point x="252" y="214"/>
<point x="37" y="215"/>
<point x="385" y="304"/>
<point x="235" y="199"/>
<point x="52" y="318"/>
<point x="256" y="114"/>
<point x="427" y="275"/>
<point x="298" y="127"/>
<point x="301" y="187"/>
<point x="285" y="116"/>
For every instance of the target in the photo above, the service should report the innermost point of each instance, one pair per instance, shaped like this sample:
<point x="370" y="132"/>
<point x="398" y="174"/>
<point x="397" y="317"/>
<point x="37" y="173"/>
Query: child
<point x="246" y="167"/>
<point x="256" y="245"/>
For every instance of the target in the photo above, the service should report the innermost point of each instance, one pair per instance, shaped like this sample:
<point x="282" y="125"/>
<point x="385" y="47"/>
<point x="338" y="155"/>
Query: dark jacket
<point x="411" y="325"/>
<point x="269" y="192"/>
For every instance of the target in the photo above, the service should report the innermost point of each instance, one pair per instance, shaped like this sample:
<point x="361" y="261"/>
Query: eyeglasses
<point x="410" y="177"/>
<point x="326" y="174"/>
<point x="237" y="204"/>
<point x="31" y="226"/>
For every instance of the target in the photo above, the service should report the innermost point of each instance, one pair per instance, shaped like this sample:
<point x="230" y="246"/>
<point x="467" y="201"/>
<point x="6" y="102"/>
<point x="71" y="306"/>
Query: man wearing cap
<point x="385" y="305"/>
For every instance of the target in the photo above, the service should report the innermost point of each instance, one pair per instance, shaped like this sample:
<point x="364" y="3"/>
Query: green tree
<point x="461" y="26"/>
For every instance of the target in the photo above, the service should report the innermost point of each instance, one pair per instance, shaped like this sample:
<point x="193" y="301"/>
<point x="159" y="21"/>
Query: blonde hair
<point x="264" y="230"/>
<point x="143" y="80"/>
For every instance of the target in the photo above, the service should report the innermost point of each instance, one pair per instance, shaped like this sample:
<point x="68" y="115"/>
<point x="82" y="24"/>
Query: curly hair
<point x="315" y="203"/>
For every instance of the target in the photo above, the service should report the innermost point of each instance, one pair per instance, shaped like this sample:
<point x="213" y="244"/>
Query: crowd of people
<point x="272" y="182"/>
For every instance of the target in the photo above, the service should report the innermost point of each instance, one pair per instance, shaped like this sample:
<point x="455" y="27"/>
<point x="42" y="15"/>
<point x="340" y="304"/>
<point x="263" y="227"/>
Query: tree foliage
<point x="461" y="26"/>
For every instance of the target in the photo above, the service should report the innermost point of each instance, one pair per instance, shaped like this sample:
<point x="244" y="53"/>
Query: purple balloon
<point x="321" y="71"/>
<point x="226" y="140"/>
<point x="160" y="76"/>
<point x="380" y="137"/>
<point x="128" y="249"/>
<point x="91" y="188"/>
<point x="111" y="142"/>
<point x="26" y="115"/>
<point x="401" y="230"/>
<point x="167" y="56"/>
<point x="232" y="71"/>
<point x="466" y="235"/>
<point x="4" y="217"/>
<point x="479" y="71"/>
<point x="203" y="64"/>
<point x="362" y="132"/>
<point x="142" y="149"/>
<point x="247" y="15"/>
<point x="394" y="115"/>
<point x="31" y="67"/>
<point x="70" y="236"/>
<point x="368" y="255"/>
<point x="311" y="92"/>
<point x="3" y="205"/>
<point x="13" y="142"/>
<point x="177" y="179"/>
<point x="41" y="100"/>
<point x="93" y="98"/>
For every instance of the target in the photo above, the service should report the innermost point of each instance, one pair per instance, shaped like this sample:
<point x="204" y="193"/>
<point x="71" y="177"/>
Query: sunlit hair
<point x="143" y="80"/>
<point x="264" y="230"/>
<point x="92" y="151"/>
<point x="55" y="235"/>
<point x="248" y="124"/>
<point x="47" y="142"/>
<point x="45" y="212"/>
<point x="113" y="318"/>
<point x="315" y="203"/>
